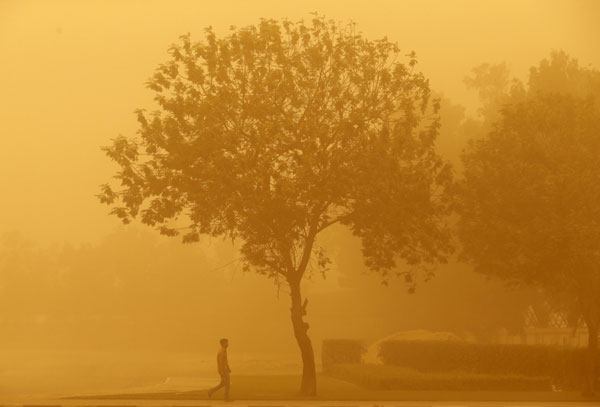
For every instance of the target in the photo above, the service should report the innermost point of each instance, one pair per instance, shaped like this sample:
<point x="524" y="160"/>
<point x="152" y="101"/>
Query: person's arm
<point x="221" y="364"/>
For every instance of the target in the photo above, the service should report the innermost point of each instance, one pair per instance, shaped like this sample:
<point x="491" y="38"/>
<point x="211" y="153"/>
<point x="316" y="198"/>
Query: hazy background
<point x="84" y="297"/>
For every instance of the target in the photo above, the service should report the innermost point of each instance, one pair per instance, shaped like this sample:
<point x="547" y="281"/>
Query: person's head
<point x="224" y="342"/>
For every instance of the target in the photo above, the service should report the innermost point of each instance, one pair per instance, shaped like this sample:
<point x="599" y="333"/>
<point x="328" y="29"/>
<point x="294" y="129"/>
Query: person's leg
<point x="227" y="384"/>
<point x="217" y="387"/>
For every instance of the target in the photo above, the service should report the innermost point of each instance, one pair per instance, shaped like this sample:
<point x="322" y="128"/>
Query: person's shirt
<point x="222" y="363"/>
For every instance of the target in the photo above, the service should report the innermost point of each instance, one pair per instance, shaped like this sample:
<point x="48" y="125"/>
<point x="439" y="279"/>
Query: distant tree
<point x="563" y="75"/>
<point x="456" y="128"/>
<point x="276" y="132"/>
<point x="444" y="303"/>
<point x="495" y="87"/>
<point x="529" y="197"/>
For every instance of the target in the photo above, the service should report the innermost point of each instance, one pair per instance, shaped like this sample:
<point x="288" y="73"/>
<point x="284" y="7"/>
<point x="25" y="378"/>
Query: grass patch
<point x="285" y="387"/>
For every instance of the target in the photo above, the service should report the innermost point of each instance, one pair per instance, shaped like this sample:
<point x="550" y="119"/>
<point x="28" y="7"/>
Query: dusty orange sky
<point x="72" y="72"/>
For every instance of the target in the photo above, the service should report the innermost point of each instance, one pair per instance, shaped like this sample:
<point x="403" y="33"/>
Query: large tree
<point x="275" y="132"/>
<point x="529" y="197"/>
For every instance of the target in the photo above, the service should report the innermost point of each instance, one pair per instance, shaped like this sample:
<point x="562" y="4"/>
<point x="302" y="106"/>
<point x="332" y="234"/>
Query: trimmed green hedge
<point x="339" y="351"/>
<point x="566" y="366"/>
<point x="378" y="377"/>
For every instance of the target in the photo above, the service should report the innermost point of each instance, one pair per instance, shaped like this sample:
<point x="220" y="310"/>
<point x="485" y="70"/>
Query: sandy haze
<point x="89" y="305"/>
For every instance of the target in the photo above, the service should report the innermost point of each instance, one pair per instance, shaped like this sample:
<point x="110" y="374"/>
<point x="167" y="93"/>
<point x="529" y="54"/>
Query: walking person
<point x="224" y="370"/>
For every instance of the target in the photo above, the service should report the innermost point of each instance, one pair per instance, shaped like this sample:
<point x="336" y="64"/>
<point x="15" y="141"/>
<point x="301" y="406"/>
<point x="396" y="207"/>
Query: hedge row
<point x="378" y="377"/>
<point x="341" y="351"/>
<point x="566" y="366"/>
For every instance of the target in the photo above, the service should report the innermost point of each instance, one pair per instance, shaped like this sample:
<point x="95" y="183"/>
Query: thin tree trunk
<point x="592" y="359"/>
<point x="308" y="386"/>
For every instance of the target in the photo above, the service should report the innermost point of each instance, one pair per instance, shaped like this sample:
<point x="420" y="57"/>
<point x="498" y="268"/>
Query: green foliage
<point x="563" y="365"/>
<point x="495" y="88"/>
<point x="528" y="200"/>
<point x="528" y="190"/>
<point x="277" y="131"/>
<point x="336" y="351"/>
<point x="376" y="377"/>
<point x="562" y="74"/>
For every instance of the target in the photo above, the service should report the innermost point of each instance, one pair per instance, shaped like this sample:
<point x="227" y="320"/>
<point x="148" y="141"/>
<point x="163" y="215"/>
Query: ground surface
<point x="281" y="390"/>
<point x="295" y="403"/>
<point x="257" y="390"/>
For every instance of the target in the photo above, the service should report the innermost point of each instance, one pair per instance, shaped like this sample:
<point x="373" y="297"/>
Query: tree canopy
<point x="281" y="128"/>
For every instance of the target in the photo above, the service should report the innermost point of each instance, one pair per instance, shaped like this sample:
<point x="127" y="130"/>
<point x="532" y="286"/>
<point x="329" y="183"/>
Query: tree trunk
<point x="592" y="360"/>
<point x="308" y="387"/>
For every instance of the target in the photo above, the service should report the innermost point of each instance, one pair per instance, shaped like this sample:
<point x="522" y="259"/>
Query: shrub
<point x="564" y="365"/>
<point x="378" y="377"/>
<point x="337" y="351"/>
